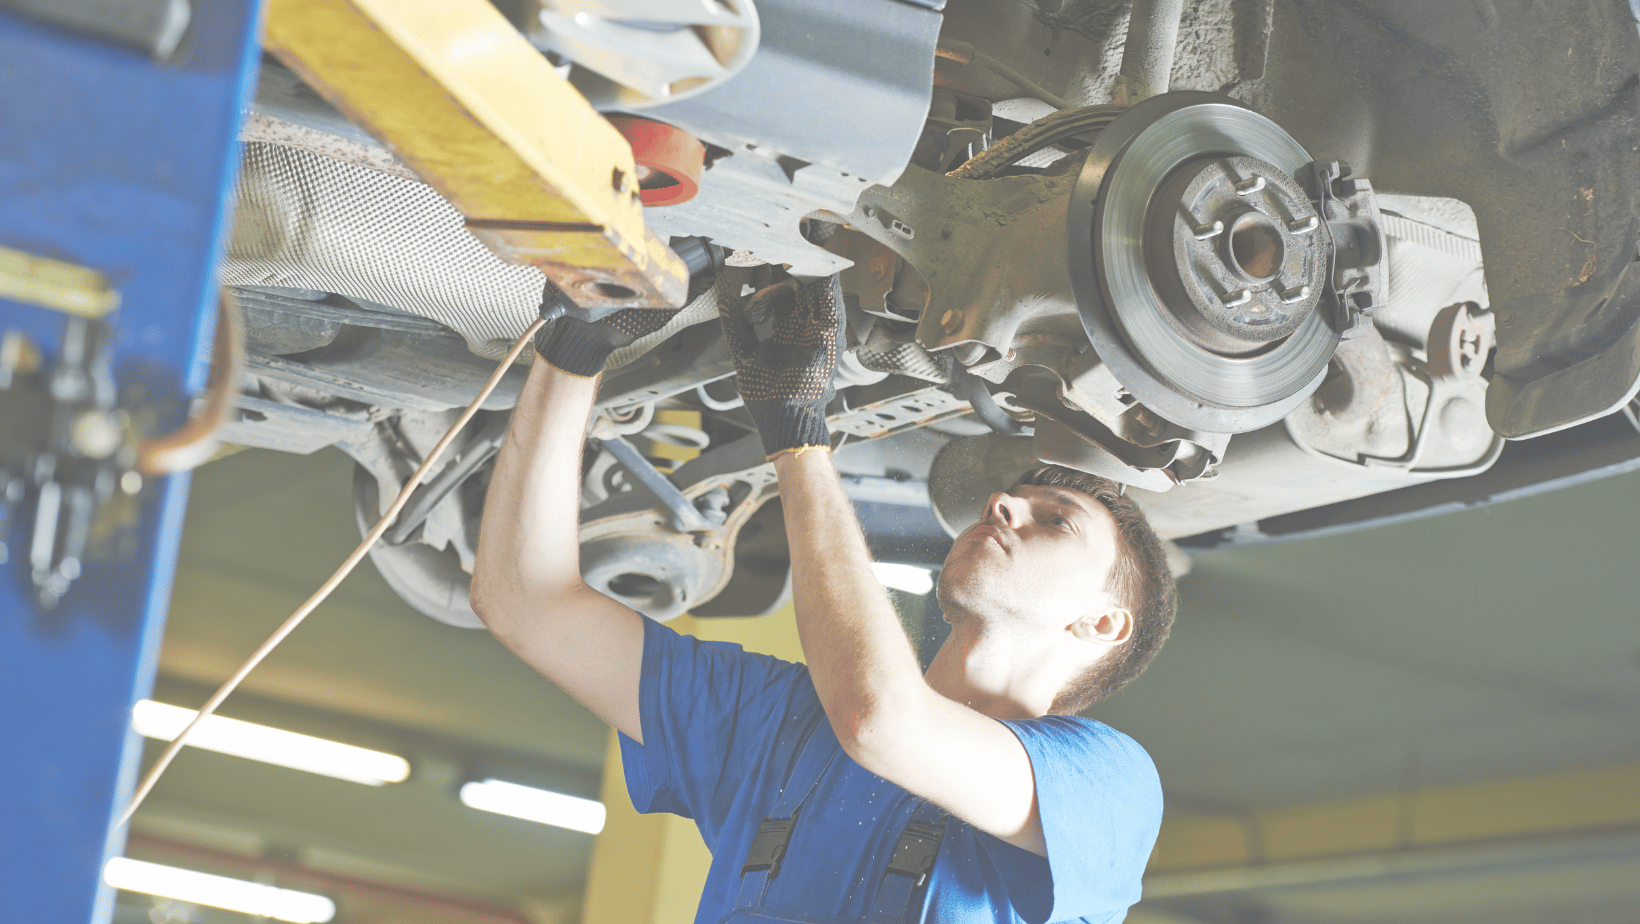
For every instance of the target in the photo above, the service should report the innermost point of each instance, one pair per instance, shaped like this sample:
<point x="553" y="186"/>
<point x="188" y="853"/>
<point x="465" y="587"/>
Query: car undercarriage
<point x="1279" y="266"/>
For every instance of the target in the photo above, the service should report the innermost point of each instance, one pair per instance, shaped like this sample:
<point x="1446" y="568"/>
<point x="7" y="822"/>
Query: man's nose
<point x="1001" y="508"/>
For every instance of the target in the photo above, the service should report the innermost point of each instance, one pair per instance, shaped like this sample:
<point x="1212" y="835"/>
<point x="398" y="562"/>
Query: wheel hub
<point x="1198" y="264"/>
<point x="1231" y="247"/>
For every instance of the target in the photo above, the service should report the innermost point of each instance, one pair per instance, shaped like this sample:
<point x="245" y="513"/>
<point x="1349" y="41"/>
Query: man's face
<point x="1039" y="553"/>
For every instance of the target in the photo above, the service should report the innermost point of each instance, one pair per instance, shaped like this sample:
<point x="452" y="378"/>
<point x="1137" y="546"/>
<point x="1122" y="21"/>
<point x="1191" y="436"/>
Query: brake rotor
<point x="1198" y="264"/>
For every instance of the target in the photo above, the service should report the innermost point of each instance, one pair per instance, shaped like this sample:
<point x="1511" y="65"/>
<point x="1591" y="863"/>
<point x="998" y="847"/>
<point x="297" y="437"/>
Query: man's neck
<point x="994" y="673"/>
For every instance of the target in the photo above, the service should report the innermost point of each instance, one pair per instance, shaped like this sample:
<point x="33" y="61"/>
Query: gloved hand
<point x="581" y="347"/>
<point x="786" y="380"/>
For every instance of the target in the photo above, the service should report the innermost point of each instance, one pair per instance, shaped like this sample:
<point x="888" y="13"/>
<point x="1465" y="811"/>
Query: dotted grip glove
<point x="786" y="379"/>
<point x="582" y="347"/>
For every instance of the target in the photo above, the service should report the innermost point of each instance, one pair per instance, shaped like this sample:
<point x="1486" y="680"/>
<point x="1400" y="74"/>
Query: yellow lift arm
<point x="453" y="89"/>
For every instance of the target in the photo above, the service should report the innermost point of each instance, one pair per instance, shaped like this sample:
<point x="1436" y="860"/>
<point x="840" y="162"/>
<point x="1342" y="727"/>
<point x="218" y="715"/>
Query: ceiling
<point x="1445" y="654"/>
<point x="263" y="531"/>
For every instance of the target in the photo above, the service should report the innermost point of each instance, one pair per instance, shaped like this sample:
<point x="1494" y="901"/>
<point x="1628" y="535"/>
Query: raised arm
<point x="527" y="584"/>
<point x="885" y="714"/>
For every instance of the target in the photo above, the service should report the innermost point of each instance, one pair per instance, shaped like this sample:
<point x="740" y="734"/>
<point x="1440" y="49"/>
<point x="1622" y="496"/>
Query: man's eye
<point x="1058" y="520"/>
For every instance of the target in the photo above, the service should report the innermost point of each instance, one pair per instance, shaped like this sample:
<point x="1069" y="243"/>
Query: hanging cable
<point x="965" y="54"/>
<point x="325" y="589"/>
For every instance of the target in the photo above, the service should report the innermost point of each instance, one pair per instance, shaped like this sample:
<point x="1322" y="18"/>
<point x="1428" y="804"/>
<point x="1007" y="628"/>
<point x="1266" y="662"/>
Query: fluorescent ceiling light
<point x="909" y="578"/>
<point x="527" y="802"/>
<point x="270" y="745"/>
<point x="218" y="891"/>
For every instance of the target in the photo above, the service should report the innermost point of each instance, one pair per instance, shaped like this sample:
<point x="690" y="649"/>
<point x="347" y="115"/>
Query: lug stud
<point x="1208" y="232"/>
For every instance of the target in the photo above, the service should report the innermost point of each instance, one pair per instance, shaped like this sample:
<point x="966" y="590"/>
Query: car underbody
<point x="1360" y="261"/>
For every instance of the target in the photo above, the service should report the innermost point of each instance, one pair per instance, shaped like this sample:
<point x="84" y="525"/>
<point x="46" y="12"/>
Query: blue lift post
<point x="120" y="159"/>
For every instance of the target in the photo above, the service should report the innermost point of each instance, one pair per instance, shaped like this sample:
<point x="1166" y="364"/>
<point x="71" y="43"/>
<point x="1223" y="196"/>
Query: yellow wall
<point x="1565" y="803"/>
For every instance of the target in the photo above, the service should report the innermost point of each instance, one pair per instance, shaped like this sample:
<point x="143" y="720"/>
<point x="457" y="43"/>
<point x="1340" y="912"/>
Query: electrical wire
<point x="325" y="589"/>
<point x="1021" y="81"/>
<point x="963" y="53"/>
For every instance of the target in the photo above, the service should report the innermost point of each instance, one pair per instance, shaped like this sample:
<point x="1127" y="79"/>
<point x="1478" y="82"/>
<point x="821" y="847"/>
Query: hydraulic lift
<point x="119" y="147"/>
<point x="118" y="151"/>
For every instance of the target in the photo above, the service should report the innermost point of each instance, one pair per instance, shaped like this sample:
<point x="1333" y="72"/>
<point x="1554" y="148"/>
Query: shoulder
<point x="1099" y="802"/>
<point x="703" y="683"/>
<point x="662" y="643"/>
<point x="1078" y="753"/>
<point x="709" y="714"/>
<point x="1075" y="733"/>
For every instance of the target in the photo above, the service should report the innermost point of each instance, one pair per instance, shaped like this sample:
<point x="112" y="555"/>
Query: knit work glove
<point x="786" y="380"/>
<point x="580" y="347"/>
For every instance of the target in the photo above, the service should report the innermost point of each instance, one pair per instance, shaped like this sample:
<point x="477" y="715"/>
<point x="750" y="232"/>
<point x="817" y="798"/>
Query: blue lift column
<point x="118" y="151"/>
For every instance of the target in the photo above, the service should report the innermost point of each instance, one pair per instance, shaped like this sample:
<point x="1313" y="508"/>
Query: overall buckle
<point x="769" y="846"/>
<point x="916" y="850"/>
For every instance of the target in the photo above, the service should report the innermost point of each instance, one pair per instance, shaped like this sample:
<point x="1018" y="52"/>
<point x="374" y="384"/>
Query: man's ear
<point x="1112" y="627"/>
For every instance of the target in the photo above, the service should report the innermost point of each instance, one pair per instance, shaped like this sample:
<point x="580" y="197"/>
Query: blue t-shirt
<point x="712" y="714"/>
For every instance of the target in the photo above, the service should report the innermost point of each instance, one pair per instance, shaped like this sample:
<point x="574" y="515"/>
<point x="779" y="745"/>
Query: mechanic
<point x="823" y="791"/>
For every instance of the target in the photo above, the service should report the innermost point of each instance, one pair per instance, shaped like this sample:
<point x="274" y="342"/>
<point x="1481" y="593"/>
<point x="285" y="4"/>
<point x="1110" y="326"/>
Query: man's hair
<point x="1140" y="580"/>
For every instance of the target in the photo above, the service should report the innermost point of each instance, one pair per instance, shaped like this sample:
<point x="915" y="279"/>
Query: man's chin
<point x="964" y="587"/>
<point x="970" y="554"/>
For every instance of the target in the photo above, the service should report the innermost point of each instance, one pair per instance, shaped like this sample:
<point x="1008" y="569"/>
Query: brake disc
<point x="1198" y="262"/>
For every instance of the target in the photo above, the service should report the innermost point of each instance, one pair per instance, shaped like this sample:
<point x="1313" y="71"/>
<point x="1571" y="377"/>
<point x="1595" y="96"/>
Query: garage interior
<point x="1405" y="677"/>
<point x="1424" y="722"/>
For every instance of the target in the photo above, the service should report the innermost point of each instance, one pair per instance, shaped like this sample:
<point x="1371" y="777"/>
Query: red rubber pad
<point x="669" y="160"/>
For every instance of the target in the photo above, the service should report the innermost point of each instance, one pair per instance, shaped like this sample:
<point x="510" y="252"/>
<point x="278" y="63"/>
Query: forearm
<point x="862" y="663"/>
<point x="528" y="542"/>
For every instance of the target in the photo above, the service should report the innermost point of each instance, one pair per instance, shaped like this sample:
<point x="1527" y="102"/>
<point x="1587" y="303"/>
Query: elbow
<point x="504" y="601"/>
<point x="504" y="577"/>
<point x="496" y="595"/>
<point x="484" y="597"/>
<point x="479" y="595"/>
<point x="486" y="590"/>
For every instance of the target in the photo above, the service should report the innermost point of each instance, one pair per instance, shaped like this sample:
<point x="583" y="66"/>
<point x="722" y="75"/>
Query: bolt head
<point x="95" y="435"/>
<point x="951" y="321"/>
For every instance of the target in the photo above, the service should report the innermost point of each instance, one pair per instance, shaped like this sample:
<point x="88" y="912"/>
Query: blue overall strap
<point x="819" y="748"/>
<point x="909" y="866"/>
